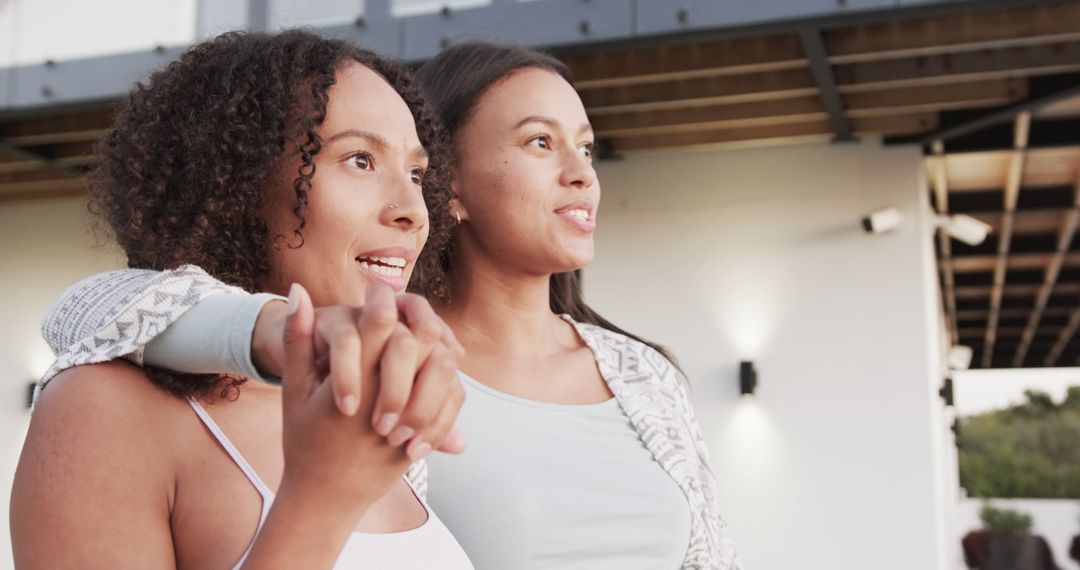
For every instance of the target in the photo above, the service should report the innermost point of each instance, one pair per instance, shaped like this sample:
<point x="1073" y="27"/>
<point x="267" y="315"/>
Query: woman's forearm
<point x="216" y="336"/>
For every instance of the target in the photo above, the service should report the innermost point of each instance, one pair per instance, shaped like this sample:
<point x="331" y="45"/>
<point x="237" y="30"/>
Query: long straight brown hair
<point x="454" y="80"/>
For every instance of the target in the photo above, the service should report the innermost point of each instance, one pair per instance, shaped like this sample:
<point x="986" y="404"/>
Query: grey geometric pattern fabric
<point x="115" y="314"/>
<point x="653" y="396"/>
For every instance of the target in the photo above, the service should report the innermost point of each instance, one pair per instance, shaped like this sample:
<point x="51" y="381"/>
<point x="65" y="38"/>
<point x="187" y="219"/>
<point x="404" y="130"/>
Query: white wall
<point x="32" y="31"/>
<point x="840" y="461"/>
<point x="1057" y="520"/>
<point x="45" y="248"/>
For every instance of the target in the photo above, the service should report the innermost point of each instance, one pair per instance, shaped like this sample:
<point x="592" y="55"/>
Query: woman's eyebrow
<point x="356" y="133"/>
<point x="585" y="127"/>
<point x="418" y="153"/>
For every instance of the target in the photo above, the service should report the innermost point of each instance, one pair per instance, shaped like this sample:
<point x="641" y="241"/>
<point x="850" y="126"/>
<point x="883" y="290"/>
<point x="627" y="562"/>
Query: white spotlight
<point x="960" y="357"/>
<point x="964" y="228"/>
<point x="882" y="221"/>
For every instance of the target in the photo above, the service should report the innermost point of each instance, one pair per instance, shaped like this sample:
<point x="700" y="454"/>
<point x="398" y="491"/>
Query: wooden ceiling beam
<point x="700" y="92"/>
<point x="971" y="31"/>
<point x="772" y="134"/>
<point x="981" y="263"/>
<point x="42" y="189"/>
<point x="738" y="115"/>
<point x="1064" y="338"/>
<point x="64" y="158"/>
<point x="685" y="60"/>
<point x="945" y="69"/>
<point x="1021" y="134"/>
<point x="1015" y="291"/>
<point x="1065" y="238"/>
<point x="71" y="127"/>
<point x="922" y="98"/>
<point x="1011" y="313"/>
<point x="1066" y="234"/>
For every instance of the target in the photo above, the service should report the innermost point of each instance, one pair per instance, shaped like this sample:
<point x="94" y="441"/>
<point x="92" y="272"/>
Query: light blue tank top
<point x="556" y="486"/>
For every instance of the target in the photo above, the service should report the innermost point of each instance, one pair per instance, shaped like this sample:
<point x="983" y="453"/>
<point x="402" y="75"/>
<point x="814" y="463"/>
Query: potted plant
<point x="1006" y="542"/>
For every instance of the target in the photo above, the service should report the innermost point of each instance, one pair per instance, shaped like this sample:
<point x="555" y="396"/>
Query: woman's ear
<point x="457" y="209"/>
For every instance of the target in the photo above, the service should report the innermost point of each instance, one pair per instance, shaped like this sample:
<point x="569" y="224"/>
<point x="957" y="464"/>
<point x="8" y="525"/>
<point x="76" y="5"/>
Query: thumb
<point x="299" y="368"/>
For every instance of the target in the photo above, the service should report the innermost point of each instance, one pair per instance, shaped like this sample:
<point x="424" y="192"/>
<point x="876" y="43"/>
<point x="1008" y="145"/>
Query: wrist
<point x="267" y="350"/>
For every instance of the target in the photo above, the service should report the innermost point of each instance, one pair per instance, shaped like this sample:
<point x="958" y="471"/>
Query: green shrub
<point x="1028" y="450"/>
<point x="1005" y="520"/>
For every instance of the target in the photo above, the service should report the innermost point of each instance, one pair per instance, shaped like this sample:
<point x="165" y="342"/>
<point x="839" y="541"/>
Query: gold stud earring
<point x="457" y="214"/>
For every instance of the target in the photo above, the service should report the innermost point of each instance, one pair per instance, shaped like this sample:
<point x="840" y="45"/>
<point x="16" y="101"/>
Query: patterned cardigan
<point x="115" y="314"/>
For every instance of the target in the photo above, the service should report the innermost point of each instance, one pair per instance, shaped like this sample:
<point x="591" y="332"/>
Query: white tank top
<point x="429" y="545"/>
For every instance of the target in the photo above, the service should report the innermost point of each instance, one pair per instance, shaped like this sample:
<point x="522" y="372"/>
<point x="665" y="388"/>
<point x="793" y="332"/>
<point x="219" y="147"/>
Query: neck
<point x="494" y="309"/>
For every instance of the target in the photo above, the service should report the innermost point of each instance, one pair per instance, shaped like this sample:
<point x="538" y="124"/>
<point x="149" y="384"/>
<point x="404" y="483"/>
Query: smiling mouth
<point x="578" y="214"/>
<point x="387" y="266"/>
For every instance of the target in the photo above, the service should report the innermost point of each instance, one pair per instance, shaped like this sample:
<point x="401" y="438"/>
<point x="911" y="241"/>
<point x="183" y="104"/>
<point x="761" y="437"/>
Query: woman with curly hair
<point x="284" y="163"/>
<point x="583" y="447"/>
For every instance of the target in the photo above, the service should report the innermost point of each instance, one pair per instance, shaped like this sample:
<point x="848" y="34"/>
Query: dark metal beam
<point x="1006" y="113"/>
<point x="814" y="49"/>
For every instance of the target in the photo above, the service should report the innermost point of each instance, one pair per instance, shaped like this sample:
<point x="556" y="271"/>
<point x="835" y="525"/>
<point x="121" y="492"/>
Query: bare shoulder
<point x="113" y="400"/>
<point x="96" y="466"/>
<point x="93" y="413"/>
<point x="112" y="390"/>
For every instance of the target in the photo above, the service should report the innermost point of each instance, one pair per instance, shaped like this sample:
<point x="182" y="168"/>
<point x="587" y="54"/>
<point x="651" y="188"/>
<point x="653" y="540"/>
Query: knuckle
<point x="292" y="335"/>
<point x="343" y="337"/>
<point x="381" y="316"/>
<point x="401" y="343"/>
<point x="443" y="363"/>
<point x="420" y="417"/>
<point x="428" y="330"/>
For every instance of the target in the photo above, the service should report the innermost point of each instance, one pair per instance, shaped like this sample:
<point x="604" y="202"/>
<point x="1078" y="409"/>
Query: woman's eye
<point x="363" y="161"/>
<point x="542" y="141"/>
<point x="417" y="176"/>
<point x="587" y="150"/>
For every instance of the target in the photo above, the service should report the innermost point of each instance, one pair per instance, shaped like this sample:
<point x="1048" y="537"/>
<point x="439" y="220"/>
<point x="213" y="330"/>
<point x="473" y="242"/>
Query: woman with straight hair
<point x="254" y="157"/>
<point x="583" y="448"/>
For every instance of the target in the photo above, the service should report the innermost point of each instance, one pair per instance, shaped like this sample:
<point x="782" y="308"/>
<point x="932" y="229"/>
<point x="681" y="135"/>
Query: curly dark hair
<point x="185" y="170"/>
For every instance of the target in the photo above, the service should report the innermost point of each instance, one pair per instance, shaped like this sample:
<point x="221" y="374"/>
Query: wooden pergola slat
<point x="1021" y="135"/>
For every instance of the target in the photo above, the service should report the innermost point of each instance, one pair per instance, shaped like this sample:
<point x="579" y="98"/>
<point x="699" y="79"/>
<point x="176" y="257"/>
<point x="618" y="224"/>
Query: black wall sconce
<point x="747" y="378"/>
<point x="946" y="392"/>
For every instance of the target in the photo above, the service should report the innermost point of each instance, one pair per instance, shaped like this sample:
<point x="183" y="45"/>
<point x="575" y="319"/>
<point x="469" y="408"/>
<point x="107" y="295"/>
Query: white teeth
<point x="579" y="214"/>
<point x="396" y="271"/>
<point x="395" y="261"/>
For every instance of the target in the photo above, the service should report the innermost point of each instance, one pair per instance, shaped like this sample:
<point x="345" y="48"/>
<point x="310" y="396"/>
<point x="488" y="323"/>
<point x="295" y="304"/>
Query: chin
<point x="574" y="262"/>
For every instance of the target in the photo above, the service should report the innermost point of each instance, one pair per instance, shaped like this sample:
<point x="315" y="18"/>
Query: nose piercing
<point x="393" y="206"/>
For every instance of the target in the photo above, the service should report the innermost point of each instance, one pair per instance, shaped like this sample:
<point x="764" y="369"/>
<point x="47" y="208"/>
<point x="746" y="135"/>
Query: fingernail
<point x="418" y="451"/>
<point x="400" y="435"/>
<point x="349" y="404"/>
<point x="294" y="294"/>
<point x="385" y="424"/>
